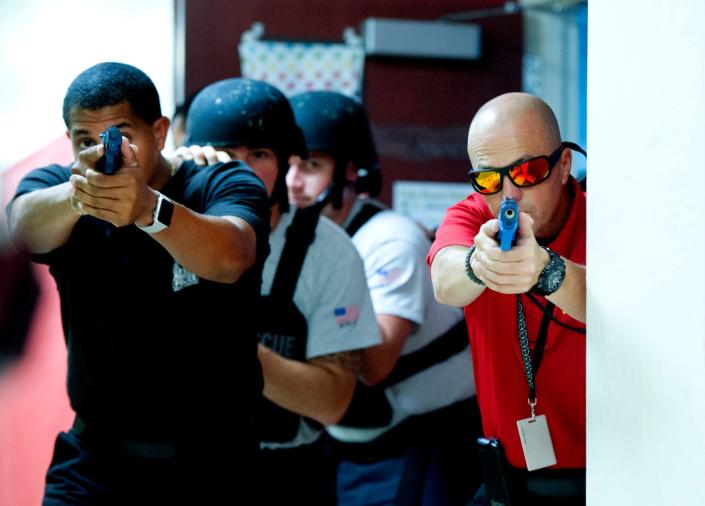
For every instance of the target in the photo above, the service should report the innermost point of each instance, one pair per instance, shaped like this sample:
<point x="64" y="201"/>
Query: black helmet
<point x="244" y="112"/>
<point x="338" y="125"/>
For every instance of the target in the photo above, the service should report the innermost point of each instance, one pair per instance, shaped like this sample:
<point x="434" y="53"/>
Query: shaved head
<point x="511" y="118"/>
<point x="512" y="128"/>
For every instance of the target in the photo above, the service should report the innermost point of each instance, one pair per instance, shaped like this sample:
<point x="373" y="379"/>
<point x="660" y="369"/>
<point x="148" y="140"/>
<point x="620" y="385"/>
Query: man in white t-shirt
<point x="408" y="435"/>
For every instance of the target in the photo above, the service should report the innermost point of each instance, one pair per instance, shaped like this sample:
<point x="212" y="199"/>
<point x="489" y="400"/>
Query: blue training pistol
<point x="508" y="223"/>
<point x="111" y="161"/>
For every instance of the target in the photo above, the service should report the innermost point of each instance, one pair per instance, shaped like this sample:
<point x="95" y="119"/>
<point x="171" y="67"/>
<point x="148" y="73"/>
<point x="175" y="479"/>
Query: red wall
<point x="420" y="109"/>
<point x="34" y="404"/>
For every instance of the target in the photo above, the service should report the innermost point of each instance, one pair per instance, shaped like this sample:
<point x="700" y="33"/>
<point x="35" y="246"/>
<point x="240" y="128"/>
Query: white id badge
<point x="536" y="442"/>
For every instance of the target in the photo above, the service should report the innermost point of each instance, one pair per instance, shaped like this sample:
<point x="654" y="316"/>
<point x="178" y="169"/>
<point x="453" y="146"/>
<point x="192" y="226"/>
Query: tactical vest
<point x="370" y="407"/>
<point x="281" y="326"/>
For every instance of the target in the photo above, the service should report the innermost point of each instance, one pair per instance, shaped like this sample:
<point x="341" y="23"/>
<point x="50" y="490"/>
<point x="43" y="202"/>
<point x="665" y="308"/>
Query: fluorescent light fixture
<point x="421" y="39"/>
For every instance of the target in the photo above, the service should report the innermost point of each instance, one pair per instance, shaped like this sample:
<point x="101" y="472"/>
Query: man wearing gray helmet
<point x="407" y="436"/>
<point x="316" y="312"/>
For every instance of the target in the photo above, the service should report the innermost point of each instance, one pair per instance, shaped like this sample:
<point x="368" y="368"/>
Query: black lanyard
<point x="531" y="367"/>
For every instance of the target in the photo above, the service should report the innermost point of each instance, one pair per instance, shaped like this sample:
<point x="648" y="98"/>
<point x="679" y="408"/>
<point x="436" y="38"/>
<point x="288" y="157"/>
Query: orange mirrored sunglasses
<point x="522" y="174"/>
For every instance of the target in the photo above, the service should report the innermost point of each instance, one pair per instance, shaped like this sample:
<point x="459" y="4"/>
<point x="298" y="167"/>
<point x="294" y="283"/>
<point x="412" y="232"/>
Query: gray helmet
<point x="244" y="112"/>
<point x="338" y="125"/>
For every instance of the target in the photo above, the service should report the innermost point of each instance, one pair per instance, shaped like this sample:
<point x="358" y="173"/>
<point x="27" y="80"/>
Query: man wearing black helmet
<point x="316" y="312"/>
<point x="151" y="264"/>
<point x="415" y="404"/>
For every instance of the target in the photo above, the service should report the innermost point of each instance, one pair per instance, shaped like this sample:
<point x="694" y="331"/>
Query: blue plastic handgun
<point x="111" y="161"/>
<point x="508" y="223"/>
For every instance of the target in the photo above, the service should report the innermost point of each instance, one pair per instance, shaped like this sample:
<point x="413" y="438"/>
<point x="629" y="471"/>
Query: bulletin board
<point x="296" y="66"/>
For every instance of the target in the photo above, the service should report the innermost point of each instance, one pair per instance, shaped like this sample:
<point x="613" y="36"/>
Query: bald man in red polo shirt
<point x="525" y="307"/>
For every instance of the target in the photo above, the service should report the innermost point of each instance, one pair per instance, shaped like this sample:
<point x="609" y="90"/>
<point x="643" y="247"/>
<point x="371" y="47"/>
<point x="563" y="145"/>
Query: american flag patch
<point x="347" y="315"/>
<point x="384" y="277"/>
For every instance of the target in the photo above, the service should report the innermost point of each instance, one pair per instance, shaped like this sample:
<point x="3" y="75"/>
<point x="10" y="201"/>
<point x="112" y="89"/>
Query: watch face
<point x="554" y="280"/>
<point x="161" y="217"/>
<point x="552" y="276"/>
<point x="166" y="210"/>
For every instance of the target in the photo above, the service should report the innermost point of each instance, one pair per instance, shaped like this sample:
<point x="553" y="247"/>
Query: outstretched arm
<point x="42" y="220"/>
<point x="513" y="271"/>
<point x="451" y="284"/>
<point x="215" y="248"/>
<point x="570" y="297"/>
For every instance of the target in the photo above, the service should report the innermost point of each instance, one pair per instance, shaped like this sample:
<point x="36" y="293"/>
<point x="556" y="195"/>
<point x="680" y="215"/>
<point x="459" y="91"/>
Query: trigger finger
<point x="90" y="155"/>
<point x="490" y="228"/>
<point x="76" y="168"/>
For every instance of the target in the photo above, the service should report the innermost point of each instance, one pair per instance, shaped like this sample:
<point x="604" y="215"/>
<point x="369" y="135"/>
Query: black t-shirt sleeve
<point x="38" y="179"/>
<point x="233" y="189"/>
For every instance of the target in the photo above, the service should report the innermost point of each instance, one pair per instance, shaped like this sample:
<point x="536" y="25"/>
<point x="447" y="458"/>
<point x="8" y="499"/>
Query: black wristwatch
<point x="552" y="276"/>
<point x="161" y="217"/>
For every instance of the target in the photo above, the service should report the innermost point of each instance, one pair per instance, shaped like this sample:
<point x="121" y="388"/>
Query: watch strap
<point x="552" y="276"/>
<point x="161" y="216"/>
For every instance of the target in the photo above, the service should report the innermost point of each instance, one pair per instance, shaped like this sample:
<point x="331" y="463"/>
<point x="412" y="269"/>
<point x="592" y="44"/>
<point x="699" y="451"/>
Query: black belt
<point x="133" y="449"/>
<point x="427" y="429"/>
<point x="555" y="483"/>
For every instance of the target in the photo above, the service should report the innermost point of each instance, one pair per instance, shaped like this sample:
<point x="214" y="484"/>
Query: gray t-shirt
<point x="331" y="294"/>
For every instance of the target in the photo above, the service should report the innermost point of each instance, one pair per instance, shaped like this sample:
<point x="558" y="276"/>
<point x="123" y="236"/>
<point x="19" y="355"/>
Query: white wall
<point x="554" y="68"/>
<point x="44" y="44"/>
<point x="646" y="253"/>
<point x="550" y="65"/>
